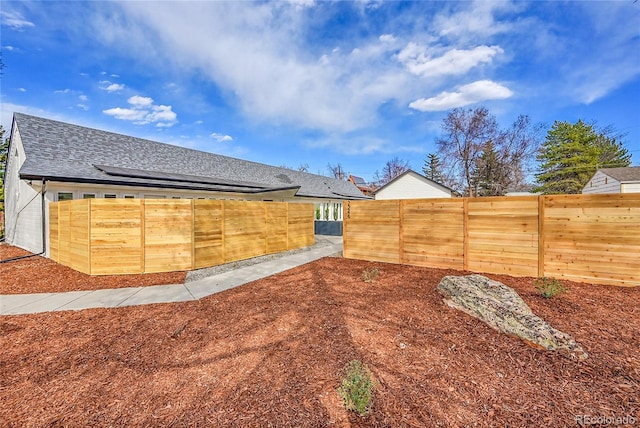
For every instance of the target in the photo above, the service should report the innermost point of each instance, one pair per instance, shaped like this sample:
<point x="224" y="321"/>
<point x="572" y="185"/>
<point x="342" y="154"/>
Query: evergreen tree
<point x="572" y="153"/>
<point x="490" y="175"/>
<point x="432" y="168"/>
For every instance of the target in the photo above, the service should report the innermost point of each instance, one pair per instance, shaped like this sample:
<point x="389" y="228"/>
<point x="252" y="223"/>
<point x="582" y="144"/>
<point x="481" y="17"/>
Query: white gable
<point x="412" y="185"/>
<point x="601" y="183"/>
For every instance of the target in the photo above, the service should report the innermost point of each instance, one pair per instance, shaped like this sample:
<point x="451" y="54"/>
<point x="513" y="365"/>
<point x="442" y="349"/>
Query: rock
<point x="503" y="309"/>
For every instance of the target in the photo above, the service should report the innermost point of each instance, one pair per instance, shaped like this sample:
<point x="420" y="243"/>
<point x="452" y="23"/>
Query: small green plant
<point x="370" y="274"/>
<point x="549" y="287"/>
<point x="317" y="213"/>
<point x="357" y="388"/>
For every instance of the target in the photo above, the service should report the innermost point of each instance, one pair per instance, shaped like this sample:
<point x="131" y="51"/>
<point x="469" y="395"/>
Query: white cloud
<point x="15" y="20"/>
<point x="9" y="48"/>
<point x="482" y="90"/>
<point x="143" y="111"/>
<point x="62" y="91"/>
<point x="83" y="98"/>
<point x="22" y="90"/>
<point x="82" y="106"/>
<point x="220" y="138"/>
<point x="474" y="19"/>
<point x="106" y="85"/>
<point x="418" y="60"/>
<point x="387" y="38"/>
<point x="140" y="102"/>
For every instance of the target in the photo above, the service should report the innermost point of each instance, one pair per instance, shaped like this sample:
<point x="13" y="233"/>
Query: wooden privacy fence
<point x="124" y="236"/>
<point x="585" y="238"/>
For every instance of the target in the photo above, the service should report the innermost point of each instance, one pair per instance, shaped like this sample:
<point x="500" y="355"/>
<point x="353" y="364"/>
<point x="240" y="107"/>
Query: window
<point x="129" y="197"/>
<point x="110" y="196"/>
<point x="65" y="196"/>
<point x="606" y="180"/>
<point x="89" y="196"/>
<point x="175" y="197"/>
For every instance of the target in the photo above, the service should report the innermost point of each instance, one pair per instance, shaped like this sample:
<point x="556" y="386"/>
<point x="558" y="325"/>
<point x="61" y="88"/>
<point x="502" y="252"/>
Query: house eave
<point x="177" y="186"/>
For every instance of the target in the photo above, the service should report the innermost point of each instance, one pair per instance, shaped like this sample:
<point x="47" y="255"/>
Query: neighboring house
<point x="411" y="185"/>
<point x="362" y="185"/>
<point x="54" y="161"/>
<point x="614" y="180"/>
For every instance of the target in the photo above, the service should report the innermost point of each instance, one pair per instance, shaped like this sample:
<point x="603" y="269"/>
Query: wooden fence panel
<point x="371" y="230"/>
<point x="276" y="224"/>
<point x="117" y="241"/>
<point x="79" y="235"/>
<point x="593" y="238"/>
<point x="54" y="231"/>
<point x="244" y="230"/>
<point x="433" y="233"/>
<point x="168" y="234"/>
<point x="300" y="228"/>
<point x="64" y="218"/>
<point x="587" y="238"/>
<point x="208" y="233"/>
<point x="503" y="235"/>
<point x="126" y="236"/>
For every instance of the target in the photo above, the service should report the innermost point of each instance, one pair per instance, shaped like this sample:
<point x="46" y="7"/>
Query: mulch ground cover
<point x="273" y="353"/>
<point x="41" y="275"/>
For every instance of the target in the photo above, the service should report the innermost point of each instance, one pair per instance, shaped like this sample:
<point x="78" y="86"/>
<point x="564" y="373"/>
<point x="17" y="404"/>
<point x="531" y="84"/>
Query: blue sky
<point x="304" y="82"/>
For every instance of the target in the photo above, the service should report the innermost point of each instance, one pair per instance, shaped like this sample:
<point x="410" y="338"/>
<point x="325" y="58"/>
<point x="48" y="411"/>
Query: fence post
<point x="541" y="202"/>
<point x="465" y="239"/>
<point x="401" y="231"/>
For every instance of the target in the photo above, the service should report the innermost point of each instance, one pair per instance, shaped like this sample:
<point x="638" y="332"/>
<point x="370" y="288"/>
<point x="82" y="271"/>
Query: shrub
<point x="370" y="274"/>
<point x="357" y="388"/>
<point x="549" y="287"/>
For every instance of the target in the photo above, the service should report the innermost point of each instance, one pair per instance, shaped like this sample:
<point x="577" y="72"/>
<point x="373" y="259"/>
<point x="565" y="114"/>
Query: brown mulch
<point x="273" y="353"/>
<point x="41" y="275"/>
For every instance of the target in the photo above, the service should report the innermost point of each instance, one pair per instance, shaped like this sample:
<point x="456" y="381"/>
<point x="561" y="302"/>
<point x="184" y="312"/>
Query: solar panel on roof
<point x="359" y="181"/>
<point x="170" y="176"/>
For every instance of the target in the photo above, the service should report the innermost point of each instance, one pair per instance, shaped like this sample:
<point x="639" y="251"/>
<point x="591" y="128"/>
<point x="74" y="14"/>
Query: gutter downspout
<point x="44" y="231"/>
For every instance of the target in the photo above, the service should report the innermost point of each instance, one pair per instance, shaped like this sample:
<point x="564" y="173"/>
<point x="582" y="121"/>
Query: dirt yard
<point x="273" y="352"/>
<point x="41" y="275"/>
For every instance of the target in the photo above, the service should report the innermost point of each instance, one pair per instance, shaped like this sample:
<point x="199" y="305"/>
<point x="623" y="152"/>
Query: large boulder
<point x="504" y="310"/>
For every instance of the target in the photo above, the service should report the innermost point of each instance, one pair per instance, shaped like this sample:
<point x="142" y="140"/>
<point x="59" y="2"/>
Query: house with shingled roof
<point x="52" y="161"/>
<point x="614" y="180"/>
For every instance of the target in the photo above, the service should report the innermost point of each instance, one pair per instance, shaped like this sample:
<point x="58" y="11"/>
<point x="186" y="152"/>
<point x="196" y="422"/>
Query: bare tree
<point x="337" y="171"/>
<point x="465" y="132"/>
<point x="391" y="170"/>
<point x="479" y="154"/>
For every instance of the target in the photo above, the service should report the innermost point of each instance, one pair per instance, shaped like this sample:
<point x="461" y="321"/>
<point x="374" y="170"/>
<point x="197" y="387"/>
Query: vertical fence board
<point x="593" y="237"/>
<point x="433" y="233"/>
<point x="208" y="233"/>
<point x="79" y="216"/>
<point x="373" y="231"/>
<point x="503" y="235"/>
<point x="54" y="231"/>
<point x="244" y="230"/>
<point x="167" y="235"/>
<point x="116" y="236"/>
<point x="276" y="223"/>
<point x="299" y="228"/>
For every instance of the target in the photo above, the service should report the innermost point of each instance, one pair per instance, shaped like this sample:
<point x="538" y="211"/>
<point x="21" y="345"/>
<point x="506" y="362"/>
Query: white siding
<point x="412" y="186"/>
<point x="22" y="203"/>
<point x="630" y="188"/>
<point x="602" y="183"/>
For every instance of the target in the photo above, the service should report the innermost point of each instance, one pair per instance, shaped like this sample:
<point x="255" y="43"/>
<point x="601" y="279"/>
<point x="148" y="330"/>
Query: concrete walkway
<point x="13" y="304"/>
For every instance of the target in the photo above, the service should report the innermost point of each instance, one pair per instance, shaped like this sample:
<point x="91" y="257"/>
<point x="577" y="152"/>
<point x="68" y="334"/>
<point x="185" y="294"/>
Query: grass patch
<point x="549" y="287"/>
<point x="357" y="388"/>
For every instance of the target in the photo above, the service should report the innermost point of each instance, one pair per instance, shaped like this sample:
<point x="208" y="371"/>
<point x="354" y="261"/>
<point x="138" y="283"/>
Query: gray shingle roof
<point x="57" y="150"/>
<point x="630" y="173"/>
